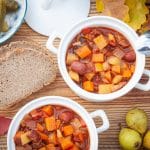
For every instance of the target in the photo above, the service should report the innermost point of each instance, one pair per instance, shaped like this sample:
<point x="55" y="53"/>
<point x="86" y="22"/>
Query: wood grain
<point x="115" y="110"/>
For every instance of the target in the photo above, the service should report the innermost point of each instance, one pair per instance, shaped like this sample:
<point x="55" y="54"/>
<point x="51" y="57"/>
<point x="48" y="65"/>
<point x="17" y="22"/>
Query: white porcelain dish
<point x="14" y="21"/>
<point x="55" y="100"/>
<point x="112" y="23"/>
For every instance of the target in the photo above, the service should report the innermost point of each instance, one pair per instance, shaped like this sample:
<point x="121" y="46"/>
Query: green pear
<point x="137" y="119"/>
<point x="146" y="140"/>
<point x="129" y="139"/>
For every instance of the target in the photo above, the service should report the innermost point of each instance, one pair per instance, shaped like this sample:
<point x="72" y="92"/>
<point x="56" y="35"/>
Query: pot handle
<point x="50" y="43"/>
<point x="103" y="116"/>
<point x="146" y="86"/>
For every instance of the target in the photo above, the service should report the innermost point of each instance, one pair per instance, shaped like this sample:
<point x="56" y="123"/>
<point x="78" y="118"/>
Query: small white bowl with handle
<point x="108" y="22"/>
<point x="65" y="102"/>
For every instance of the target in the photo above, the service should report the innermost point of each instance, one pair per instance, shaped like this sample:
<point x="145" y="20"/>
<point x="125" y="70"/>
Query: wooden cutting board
<point x="115" y="110"/>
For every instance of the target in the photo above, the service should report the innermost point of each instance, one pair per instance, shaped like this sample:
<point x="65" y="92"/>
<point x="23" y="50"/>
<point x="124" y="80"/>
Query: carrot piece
<point x="50" y="123"/>
<point x="116" y="68"/>
<point x="98" y="67"/>
<point x="42" y="148"/>
<point x="108" y="76"/>
<point x="68" y="130"/>
<point x="126" y="73"/>
<point x="48" y="110"/>
<point x="88" y="86"/>
<point x="83" y="51"/>
<point x="66" y="143"/>
<point x="39" y="127"/>
<point x="132" y="68"/>
<point x="43" y="136"/>
<point x="101" y="42"/>
<point x="89" y="76"/>
<point x="98" y="57"/>
<point x="53" y="138"/>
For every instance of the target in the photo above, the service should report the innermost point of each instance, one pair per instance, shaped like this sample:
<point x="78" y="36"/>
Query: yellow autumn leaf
<point x="113" y="8"/>
<point x="137" y="13"/>
<point x="99" y="5"/>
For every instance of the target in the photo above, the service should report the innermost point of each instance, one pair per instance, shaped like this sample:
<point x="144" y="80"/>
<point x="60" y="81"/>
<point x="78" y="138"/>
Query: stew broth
<point x="100" y="60"/>
<point x="52" y="127"/>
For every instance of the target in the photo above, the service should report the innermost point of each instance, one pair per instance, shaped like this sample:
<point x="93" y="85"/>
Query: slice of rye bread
<point x="24" y="69"/>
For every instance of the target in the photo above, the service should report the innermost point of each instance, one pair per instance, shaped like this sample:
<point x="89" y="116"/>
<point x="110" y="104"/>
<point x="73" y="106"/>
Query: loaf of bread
<point x="24" y="68"/>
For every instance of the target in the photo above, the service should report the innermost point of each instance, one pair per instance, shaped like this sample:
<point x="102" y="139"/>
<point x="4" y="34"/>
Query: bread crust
<point x="17" y="48"/>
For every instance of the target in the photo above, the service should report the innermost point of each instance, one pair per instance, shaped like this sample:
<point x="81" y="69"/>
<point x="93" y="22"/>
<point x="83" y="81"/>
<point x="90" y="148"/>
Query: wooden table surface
<point x="115" y="110"/>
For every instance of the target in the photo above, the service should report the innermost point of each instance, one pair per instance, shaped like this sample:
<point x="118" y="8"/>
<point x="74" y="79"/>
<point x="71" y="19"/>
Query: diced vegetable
<point x="58" y="122"/>
<point x="108" y="76"/>
<point x="17" y="137"/>
<point x="59" y="134"/>
<point x="98" y="57"/>
<point x="106" y="66"/>
<point x="116" y="69"/>
<point x="53" y="138"/>
<point x="111" y="39"/>
<point x="126" y="73"/>
<point x="83" y="51"/>
<point x="114" y="60"/>
<point x="98" y="67"/>
<point x="48" y="110"/>
<point x="24" y="138"/>
<point x="50" y="123"/>
<point x="74" y="76"/>
<point x="132" y="68"/>
<point x="66" y="143"/>
<point x="40" y="127"/>
<point x="105" y="88"/>
<point x="117" y="79"/>
<point x="64" y="130"/>
<point x="43" y="136"/>
<point x="88" y="86"/>
<point x="101" y="42"/>
<point x="68" y="130"/>
<point x="89" y="76"/>
<point x="71" y="57"/>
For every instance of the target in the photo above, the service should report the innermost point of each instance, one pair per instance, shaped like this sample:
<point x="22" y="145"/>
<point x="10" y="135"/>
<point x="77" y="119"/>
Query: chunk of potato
<point x="107" y="75"/>
<point x="114" y="60"/>
<point x="101" y="42"/>
<point x="117" y="79"/>
<point x="74" y="76"/>
<point x="24" y="138"/>
<point x="71" y="57"/>
<point x="116" y="68"/>
<point x="106" y="66"/>
<point x="98" y="67"/>
<point x="105" y="88"/>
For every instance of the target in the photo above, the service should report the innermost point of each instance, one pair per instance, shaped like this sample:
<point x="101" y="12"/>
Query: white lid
<point x="47" y="16"/>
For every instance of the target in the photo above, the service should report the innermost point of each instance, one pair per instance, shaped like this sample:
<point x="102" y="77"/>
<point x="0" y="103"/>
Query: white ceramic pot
<point x="55" y="100"/>
<point x="112" y="23"/>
